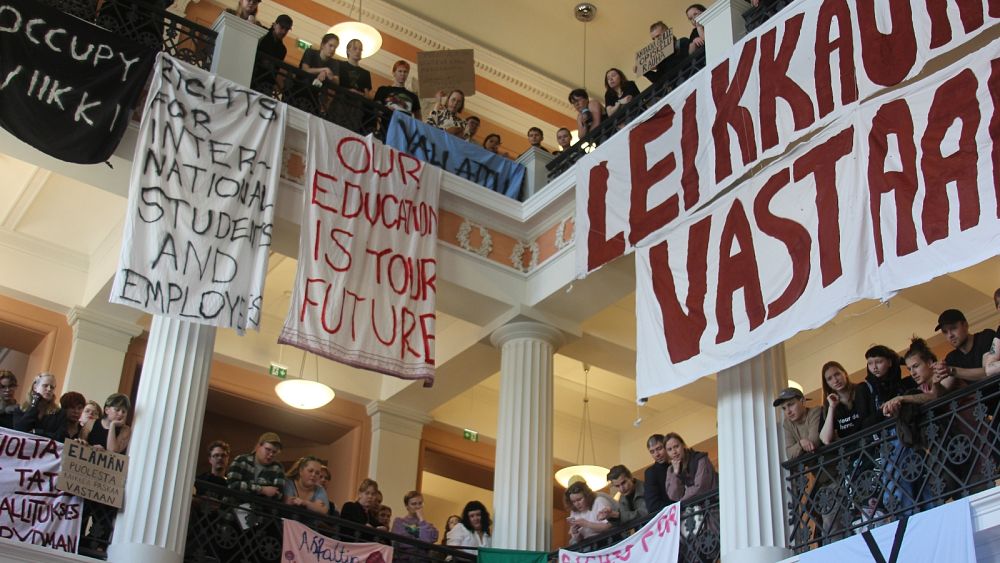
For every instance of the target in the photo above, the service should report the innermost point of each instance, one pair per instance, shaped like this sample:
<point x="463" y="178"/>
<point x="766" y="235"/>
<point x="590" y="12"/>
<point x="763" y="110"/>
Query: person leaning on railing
<point x="474" y="528"/>
<point x="800" y="425"/>
<point x="258" y="472"/>
<point x="631" y="504"/>
<point x="590" y="112"/>
<point x="689" y="472"/>
<point x="620" y="90"/>
<point x="302" y="488"/>
<point x="841" y="417"/>
<point x="588" y="512"/>
<point x="655" y="493"/>
<point x="413" y="525"/>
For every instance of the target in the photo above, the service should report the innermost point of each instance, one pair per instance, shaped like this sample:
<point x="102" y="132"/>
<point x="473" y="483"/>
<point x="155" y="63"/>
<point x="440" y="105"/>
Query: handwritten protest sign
<point x="659" y="540"/>
<point x="365" y="288"/>
<point x="651" y="55"/>
<point x="97" y="475"/>
<point x="67" y="87"/>
<point x="32" y="509"/>
<point x="302" y="545"/>
<point x="201" y="199"/>
<point x="446" y="70"/>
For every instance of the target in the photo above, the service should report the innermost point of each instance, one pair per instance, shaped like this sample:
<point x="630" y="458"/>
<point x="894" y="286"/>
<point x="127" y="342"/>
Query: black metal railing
<point x="334" y="103"/>
<point x="948" y="450"/>
<point x="96" y="528"/>
<point x="147" y="24"/>
<point x="685" y="68"/>
<point x="228" y="527"/>
<point x="755" y="17"/>
<point x="699" y="531"/>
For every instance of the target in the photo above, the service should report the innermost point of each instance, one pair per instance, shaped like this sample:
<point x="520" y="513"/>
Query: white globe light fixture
<point x="371" y="39"/>
<point x="594" y="475"/>
<point x="304" y="394"/>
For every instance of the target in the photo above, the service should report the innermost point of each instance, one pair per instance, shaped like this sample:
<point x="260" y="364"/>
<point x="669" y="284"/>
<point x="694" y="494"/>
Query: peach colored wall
<point x="43" y="335"/>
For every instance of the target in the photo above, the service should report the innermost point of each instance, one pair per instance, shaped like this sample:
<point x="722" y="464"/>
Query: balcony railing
<point x="755" y="17"/>
<point x="148" y="25"/>
<point x="232" y="527"/>
<point x="685" y="68"/>
<point x="699" y="531"/>
<point x="338" y="105"/>
<point x="949" y="451"/>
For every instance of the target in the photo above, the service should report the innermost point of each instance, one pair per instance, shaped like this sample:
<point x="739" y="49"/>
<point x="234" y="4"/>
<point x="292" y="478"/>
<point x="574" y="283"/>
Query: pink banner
<point x="302" y="545"/>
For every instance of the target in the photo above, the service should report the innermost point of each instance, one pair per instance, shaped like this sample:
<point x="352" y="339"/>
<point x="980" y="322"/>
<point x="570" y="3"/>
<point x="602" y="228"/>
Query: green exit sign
<point x="303" y="44"/>
<point x="278" y="371"/>
<point x="470" y="435"/>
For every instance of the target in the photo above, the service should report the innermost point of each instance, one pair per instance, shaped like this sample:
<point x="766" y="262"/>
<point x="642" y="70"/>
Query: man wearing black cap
<point x="966" y="360"/>
<point x="273" y="43"/>
<point x="801" y="424"/>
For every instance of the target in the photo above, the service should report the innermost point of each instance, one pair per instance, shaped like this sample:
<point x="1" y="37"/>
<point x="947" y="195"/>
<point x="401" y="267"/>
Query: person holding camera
<point x="591" y="112"/>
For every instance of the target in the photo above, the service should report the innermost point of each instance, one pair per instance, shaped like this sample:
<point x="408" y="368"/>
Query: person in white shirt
<point x="588" y="512"/>
<point x="474" y="529"/>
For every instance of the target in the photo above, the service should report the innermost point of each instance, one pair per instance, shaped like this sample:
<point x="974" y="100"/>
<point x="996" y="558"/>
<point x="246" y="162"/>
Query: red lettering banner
<point x="365" y="290"/>
<point x="900" y="191"/>
<point x="794" y="76"/>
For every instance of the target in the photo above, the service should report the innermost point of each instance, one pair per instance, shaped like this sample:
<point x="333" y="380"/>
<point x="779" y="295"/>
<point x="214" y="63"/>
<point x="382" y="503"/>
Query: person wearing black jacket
<point x="655" y="493"/>
<point x="59" y="425"/>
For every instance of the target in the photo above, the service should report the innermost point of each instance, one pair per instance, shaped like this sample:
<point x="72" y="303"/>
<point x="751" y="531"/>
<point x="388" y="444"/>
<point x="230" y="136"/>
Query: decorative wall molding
<point x="517" y="256"/>
<point x="485" y="247"/>
<point x="561" y="240"/>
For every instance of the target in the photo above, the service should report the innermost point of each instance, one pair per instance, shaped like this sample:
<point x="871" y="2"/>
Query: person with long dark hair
<point x="840" y="418"/>
<point x="689" y="472"/>
<point x="474" y="529"/>
<point x="620" y="90"/>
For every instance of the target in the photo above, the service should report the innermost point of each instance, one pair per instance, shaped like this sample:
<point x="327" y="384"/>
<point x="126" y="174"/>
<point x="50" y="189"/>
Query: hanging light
<point x="305" y="394"/>
<point x="594" y="475"/>
<point x="371" y="39"/>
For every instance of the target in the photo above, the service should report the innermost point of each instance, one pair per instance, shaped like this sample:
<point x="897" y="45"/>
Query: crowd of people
<point x="322" y="68"/>
<point x="850" y="408"/>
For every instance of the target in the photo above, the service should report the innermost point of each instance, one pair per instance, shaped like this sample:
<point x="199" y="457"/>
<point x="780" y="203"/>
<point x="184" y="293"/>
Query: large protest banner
<point x="201" y="199"/>
<point x="365" y="289"/>
<point x="67" y="87"/>
<point x="659" y="540"/>
<point x="461" y="158"/>
<point x="32" y="510"/>
<point x="302" y="545"/>
<point x="900" y="191"/>
<point x="796" y="74"/>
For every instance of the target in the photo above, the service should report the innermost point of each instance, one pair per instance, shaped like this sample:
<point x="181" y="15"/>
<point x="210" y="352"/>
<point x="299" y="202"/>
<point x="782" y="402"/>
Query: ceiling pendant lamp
<point x="595" y="476"/>
<point x="371" y="39"/>
<point x="304" y="394"/>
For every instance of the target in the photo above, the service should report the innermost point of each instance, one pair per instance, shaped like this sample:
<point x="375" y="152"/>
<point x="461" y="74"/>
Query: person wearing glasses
<point x="218" y="461"/>
<point x="259" y="471"/>
<point x="8" y="404"/>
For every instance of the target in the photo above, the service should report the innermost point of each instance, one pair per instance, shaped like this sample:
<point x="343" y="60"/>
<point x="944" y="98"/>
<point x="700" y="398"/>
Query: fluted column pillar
<point x="169" y="412"/>
<point x="751" y="485"/>
<point x="522" y="485"/>
<point x="99" y="345"/>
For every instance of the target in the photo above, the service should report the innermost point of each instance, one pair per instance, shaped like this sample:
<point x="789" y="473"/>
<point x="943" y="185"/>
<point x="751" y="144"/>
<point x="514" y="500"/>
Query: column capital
<point x="235" y="47"/>
<point x="527" y="329"/>
<point x="724" y="26"/>
<point x="102" y="328"/>
<point x="398" y="419"/>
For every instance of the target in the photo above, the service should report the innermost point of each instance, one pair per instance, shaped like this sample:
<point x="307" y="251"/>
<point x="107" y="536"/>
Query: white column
<point x="99" y="345"/>
<point x="751" y="484"/>
<point x="169" y="412"/>
<point x="235" y="47"/>
<point x="724" y="26"/>
<point x="522" y="484"/>
<point x="395" y="453"/>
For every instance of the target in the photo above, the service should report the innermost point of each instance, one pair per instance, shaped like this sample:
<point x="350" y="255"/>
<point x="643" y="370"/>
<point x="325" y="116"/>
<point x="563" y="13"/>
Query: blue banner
<point x="460" y="157"/>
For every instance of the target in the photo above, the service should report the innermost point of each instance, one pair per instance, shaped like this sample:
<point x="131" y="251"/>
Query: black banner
<point x="67" y="87"/>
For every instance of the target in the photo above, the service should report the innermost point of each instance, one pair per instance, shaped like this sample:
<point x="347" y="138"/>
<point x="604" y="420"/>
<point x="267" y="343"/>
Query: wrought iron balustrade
<point x="147" y="24"/>
<point x="699" y="531"/>
<point x="949" y="451"/>
<point x="228" y="526"/>
<point x="755" y="17"/>
<point x="332" y="102"/>
<point x="677" y="75"/>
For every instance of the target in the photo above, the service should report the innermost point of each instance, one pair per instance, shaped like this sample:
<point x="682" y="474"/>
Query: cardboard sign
<point x="446" y="70"/>
<point x="97" y="475"/>
<point x="31" y="509"/>
<point x="651" y="55"/>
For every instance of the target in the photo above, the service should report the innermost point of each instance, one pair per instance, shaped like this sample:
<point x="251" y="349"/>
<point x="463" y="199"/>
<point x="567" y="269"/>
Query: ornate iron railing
<point x="755" y="17"/>
<point x="338" y="105"/>
<point x="147" y="24"/>
<point x="685" y="68"/>
<point x="699" y="531"/>
<point x="950" y="450"/>
<point x="232" y="527"/>
<point x="96" y="528"/>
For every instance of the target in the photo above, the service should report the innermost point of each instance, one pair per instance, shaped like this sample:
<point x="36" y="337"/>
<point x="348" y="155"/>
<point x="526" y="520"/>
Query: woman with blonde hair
<point x="302" y="487"/>
<point x="365" y="509"/>
<point x="40" y="403"/>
